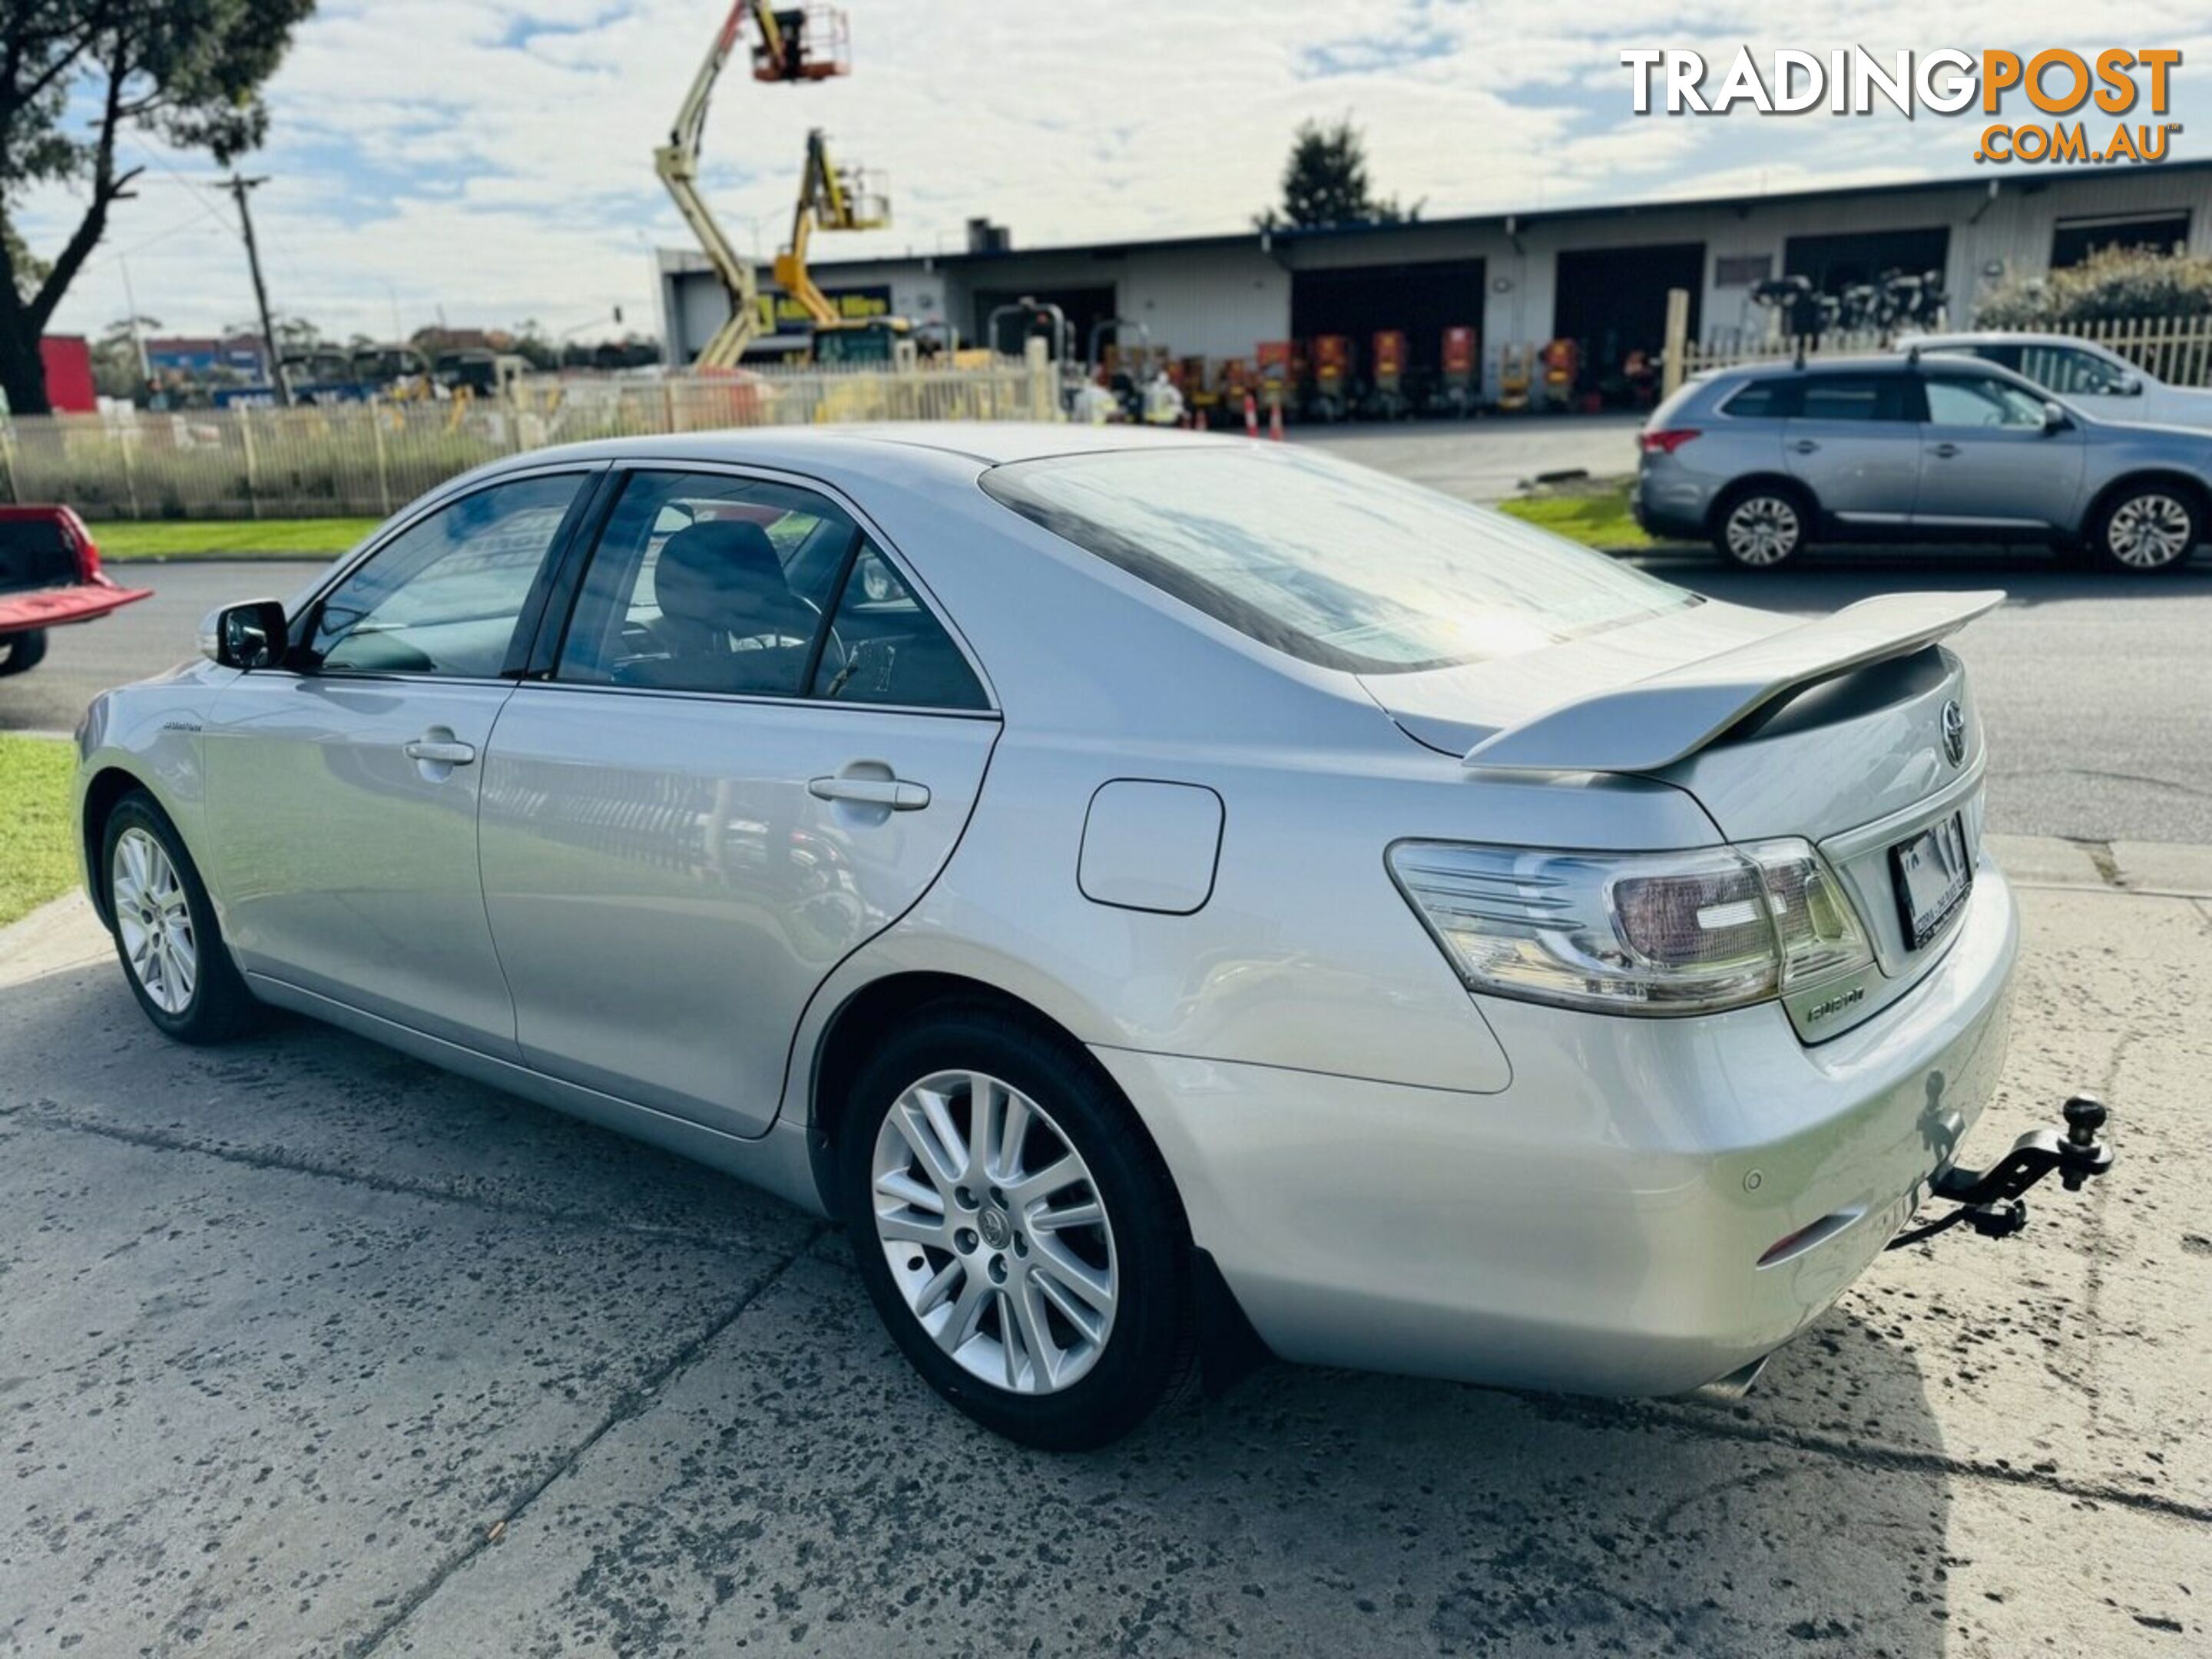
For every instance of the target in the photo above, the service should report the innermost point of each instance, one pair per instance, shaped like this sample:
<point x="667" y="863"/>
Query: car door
<point x="1851" y="441"/>
<point x="1988" y="457"/>
<point x="754" y="748"/>
<point x="343" y="786"/>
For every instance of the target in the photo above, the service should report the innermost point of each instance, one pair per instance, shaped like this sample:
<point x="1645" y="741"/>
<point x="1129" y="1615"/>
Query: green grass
<point x="1596" y="517"/>
<point x="123" y="540"/>
<point x="37" y="860"/>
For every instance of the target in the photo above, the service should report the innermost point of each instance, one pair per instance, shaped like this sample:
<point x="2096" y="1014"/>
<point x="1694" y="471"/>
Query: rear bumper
<point x="1596" y="1226"/>
<point x="1674" y="510"/>
<point x="56" y="607"/>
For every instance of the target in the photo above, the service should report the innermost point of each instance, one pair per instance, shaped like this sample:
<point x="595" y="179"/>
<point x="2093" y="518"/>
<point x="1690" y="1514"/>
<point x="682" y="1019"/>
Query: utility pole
<point x="237" y="186"/>
<point x="137" y="338"/>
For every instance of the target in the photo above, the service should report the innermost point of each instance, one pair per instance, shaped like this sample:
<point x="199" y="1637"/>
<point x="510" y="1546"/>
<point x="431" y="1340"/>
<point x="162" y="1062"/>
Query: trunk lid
<point x="1778" y="726"/>
<point x="1856" y="732"/>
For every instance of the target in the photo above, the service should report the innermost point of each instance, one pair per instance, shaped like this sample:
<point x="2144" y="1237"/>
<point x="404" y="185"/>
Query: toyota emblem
<point x="1954" y="733"/>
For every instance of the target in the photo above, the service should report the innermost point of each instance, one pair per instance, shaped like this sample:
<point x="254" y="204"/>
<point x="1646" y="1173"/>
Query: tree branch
<point x="105" y="187"/>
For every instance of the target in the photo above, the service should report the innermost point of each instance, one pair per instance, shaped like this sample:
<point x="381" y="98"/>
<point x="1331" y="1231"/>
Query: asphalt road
<point x="2093" y="688"/>
<point x="310" y="1349"/>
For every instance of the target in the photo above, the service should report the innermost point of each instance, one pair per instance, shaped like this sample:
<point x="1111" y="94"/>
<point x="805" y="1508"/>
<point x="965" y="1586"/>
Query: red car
<point x="50" y="575"/>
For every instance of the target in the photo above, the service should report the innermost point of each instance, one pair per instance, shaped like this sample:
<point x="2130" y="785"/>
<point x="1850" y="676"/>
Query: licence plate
<point x="1932" y="875"/>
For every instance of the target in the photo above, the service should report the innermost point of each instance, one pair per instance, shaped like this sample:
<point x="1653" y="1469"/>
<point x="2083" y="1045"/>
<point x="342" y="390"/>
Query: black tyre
<point x="2147" y="529"/>
<point x="166" y="934"/>
<point x="19" y="652"/>
<point x="1759" y="526"/>
<point x="1015" y="1230"/>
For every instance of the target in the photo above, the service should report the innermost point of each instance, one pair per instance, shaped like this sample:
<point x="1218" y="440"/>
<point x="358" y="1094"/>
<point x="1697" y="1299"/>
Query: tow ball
<point x="1988" y="1200"/>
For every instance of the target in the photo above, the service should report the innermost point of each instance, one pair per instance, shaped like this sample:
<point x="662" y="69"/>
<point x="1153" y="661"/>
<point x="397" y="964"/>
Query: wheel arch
<point x="2172" y="478"/>
<point x="841" y="1048"/>
<point x="1781" y="483"/>
<point x="103" y="791"/>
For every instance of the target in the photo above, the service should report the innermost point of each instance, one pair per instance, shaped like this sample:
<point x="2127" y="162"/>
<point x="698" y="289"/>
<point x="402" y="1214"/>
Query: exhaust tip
<point x="1727" y="1390"/>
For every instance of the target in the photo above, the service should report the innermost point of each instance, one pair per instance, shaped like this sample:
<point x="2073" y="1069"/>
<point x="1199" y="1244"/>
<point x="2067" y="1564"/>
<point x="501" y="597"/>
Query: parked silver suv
<point x="1766" y="459"/>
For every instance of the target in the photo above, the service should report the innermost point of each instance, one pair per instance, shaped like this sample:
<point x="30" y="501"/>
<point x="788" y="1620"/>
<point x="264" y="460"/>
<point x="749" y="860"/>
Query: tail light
<point x="1683" y="933"/>
<point x="1666" y="443"/>
<point x="88" y="550"/>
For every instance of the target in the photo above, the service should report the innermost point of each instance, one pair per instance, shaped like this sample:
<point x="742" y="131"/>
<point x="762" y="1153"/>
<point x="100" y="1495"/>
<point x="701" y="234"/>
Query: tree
<point x="2114" y="284"/>
<point x="186" y="72"/>
<point x="1325" y="182"/>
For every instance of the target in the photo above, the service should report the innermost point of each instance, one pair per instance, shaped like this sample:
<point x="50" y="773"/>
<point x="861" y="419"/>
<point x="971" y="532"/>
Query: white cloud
<point x="493" y="158"/>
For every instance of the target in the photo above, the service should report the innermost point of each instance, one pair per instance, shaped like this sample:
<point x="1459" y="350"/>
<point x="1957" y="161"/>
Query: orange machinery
<point x="1386" y="388"/>
<point x="1562" y="361"/>
<point x="1460" y="386"/>
<point x="1330" y="399"/>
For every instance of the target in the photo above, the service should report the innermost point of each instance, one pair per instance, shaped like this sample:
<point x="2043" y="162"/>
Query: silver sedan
<point x="1168" y="898"/>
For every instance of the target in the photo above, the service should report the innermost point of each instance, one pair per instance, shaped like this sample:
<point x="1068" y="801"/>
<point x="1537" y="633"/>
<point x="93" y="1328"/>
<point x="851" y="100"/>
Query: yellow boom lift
<point x="793" y="45"/>
<point x="834" y="199"/>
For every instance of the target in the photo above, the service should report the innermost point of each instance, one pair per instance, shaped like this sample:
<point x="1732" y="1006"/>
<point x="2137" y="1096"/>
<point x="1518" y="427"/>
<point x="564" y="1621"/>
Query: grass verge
<point x="1595" y="514"/>
<point x="37" y="862"/>
<point x="123" y="540"/>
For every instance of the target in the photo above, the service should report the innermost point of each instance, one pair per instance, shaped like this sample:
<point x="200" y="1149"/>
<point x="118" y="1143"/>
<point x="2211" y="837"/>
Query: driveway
<point x="311" y="1349"/>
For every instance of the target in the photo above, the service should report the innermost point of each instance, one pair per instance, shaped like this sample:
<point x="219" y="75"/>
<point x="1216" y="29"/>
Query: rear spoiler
<point x="1651" y="723"/>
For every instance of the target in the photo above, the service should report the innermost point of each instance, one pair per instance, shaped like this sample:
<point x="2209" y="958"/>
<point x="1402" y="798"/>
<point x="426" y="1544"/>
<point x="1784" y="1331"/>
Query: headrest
<point x="721" y="572"/>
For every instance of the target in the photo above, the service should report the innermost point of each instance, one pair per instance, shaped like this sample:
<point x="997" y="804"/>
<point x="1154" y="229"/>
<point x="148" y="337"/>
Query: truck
<point x="50" y="577"/>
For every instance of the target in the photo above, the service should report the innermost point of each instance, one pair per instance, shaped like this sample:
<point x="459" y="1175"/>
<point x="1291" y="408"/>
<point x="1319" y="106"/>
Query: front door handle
<point x="443" y="751"/>
<point x="1946" y="451"/>
<point x="1805" y="445"/>
<point x="895" y="793"/>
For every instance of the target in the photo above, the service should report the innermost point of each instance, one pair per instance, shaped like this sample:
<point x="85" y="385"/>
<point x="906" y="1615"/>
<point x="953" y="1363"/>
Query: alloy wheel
<point x="2149" y="533"/>
<point x="995" y="1232"/>
<point x="1762" y="529"/>
<point x="154" y="918"/>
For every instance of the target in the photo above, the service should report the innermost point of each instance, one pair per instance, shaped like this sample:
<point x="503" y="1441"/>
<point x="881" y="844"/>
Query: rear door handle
<point x="443" y="751"/>
<point x="1946" y="451"/>
<point x="895" y="793"/>
<point x="1805" y="445"/>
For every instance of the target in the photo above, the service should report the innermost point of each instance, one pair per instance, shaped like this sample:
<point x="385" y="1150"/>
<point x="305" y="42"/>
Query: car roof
<point x="982" y="443"/>
<point x="1858" y="363"/>
<point x="2000" y="337"/>
<point x="1898" y="363"/>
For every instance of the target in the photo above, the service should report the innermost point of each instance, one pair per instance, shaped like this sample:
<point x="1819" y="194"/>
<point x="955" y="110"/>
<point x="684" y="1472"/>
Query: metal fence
<point x="370" y="458"/>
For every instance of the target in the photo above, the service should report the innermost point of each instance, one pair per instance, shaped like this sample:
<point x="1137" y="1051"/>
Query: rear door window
<point x="1854" y="397"/>
<point x="885" y="647"/>
<point x="706" y="582"/>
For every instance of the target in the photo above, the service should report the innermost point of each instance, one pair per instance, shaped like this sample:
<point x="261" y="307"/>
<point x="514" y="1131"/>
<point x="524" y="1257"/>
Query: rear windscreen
<point x="1332" y="563"/>
<point x="33" y="553"/>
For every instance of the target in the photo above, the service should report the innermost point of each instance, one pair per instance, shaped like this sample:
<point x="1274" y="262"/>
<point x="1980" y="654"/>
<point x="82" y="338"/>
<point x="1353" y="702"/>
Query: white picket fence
<point x="2175" y="349"/>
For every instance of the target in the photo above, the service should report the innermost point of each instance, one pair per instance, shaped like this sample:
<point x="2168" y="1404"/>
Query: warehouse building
<point x="1595" y="275"/>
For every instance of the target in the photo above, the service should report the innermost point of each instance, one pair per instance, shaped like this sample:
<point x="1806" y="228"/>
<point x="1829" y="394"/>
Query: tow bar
<point x="1988" y="1200"/>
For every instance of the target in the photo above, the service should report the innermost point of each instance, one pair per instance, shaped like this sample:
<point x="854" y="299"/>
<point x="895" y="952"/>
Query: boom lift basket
<point x="809" y="43"/>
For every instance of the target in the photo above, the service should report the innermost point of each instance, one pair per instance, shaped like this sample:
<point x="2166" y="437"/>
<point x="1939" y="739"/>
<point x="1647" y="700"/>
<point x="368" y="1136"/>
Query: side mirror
<point x="2054" y="419"/>
<point x="246" y="637"/>
<point x="2132" y="387"/>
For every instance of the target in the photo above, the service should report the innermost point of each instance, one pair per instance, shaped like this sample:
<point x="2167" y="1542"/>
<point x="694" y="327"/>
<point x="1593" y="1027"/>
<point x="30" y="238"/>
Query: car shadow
<point x="1832" y="577"/>
<point x="786" y="1466"/>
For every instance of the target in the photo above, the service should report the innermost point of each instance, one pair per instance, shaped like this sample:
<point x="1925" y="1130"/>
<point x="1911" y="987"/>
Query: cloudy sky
<point x="492" y="159"/>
